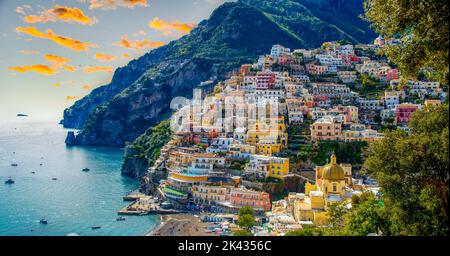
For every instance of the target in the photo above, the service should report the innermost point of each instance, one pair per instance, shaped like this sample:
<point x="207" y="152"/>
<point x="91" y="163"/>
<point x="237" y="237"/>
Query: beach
<point x="181" y="225"/>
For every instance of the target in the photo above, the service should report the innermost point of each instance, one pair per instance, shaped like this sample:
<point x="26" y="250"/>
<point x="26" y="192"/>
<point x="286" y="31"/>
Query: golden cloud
<point x="113" y="4"/>
<point x="57" y="84"/>
<point x="56" y="61"/>
<point x="136" y="44"/>
<point x="104" y="57"/>
<point x="73" y="44"/>
<point x="57" y="64"/>
<point x="93" y="69"/>
<point x="38" y="68"/>
<point x="126" y="55"/>
<point x="72" y="97"/>
<point x="61" y="13"/>
<point x="168" y="27"/>
<point x="69" y="68"/>
<point x="29" y="52"/>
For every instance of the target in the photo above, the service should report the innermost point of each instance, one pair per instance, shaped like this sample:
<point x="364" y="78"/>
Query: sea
<point x="50" y="184"/>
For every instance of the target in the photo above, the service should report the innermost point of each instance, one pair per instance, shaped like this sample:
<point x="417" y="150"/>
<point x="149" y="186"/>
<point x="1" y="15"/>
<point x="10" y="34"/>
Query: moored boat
<point x="9" y="181"/>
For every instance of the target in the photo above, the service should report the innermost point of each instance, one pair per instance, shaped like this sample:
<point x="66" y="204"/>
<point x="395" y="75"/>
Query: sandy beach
<point x="181" y="225"/>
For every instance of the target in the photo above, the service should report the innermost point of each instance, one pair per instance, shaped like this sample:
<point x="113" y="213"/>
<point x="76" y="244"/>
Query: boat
<point x="9" y="181"/>
<point x="95" y="227"/>
<point x="14" y="164"/>
<point x="86" y="169"/>
<point x="54" y="178"/>
<point x="121" y="218"/>
<point x="40" y="164"/>
<point x="43" y="221"/>
<point x="20" y="114"/>
<point x="33" y="172"/>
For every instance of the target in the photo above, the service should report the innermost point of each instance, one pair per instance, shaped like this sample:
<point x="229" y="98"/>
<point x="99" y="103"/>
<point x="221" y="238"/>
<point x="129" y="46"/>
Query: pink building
<point x="404" y="112"/>
<point x="392" y="74"/>
<point x="265" y="80"/>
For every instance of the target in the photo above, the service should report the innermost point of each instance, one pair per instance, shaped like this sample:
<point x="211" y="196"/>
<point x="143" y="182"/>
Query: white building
<point x="278" y="50"/>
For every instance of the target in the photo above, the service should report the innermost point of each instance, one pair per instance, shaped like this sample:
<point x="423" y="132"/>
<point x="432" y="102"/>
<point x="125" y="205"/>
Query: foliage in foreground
<point x="412" y="171"/>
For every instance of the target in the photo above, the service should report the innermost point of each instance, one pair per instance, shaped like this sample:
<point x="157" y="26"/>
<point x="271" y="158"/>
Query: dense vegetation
<point x="143" y="152"/>
<point x="423" y="28"/>
<point x="314" y="22"/>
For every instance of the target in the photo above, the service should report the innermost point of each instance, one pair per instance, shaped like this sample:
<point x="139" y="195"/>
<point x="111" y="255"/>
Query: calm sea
<point x="74" y="202"/>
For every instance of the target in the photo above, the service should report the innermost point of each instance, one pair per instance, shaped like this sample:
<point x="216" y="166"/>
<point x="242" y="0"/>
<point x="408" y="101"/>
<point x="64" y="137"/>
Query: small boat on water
<point x="86" y="169"/>
<point x="54" y="178"/>
<point x="121" y="218"/>
<point x="41" y="164"/>
<point x="33" y="172"/>
<point x="43" y="221"/>
<point x="14" y="164"/>
<point x="9" y="181"/>
<point x="95" y="227"/>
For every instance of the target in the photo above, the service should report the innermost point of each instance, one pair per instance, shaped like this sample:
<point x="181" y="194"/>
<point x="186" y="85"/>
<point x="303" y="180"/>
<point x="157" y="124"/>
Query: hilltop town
<point x="291" y="167"/>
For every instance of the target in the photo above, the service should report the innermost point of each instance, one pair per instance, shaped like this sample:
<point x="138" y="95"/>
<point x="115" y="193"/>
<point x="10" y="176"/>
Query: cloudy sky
<point x="54" y="52"/>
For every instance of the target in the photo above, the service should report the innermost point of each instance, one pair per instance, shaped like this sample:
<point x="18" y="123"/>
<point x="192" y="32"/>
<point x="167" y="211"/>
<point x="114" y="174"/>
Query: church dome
<point x="333" y="171"/>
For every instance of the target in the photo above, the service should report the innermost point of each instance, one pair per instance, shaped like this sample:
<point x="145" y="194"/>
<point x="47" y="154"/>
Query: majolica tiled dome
<point x="333" y="171"/>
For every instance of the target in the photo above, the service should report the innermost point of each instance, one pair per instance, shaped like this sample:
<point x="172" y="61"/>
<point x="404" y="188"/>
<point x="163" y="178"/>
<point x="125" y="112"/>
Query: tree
<point x="366" y="217"/>
<point x="412" y="171"/>
<point x="246" y="218"/>
<point x="242" y="232"/>
<point x="423" y="28"/>
<point x="307" y="231"/>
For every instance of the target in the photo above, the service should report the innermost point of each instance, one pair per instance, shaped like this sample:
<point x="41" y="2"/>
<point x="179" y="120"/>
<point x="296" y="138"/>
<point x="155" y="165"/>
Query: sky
<point x="54" y="52"/>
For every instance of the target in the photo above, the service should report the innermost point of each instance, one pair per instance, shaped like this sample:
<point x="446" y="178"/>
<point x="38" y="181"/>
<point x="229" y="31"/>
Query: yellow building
<point x="270" y="166"/>
<point x="331" y="185"/>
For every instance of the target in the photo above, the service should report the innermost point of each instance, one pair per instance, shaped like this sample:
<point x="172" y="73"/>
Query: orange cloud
<point x="28" y="52"/>
<point x="126" y="55"/>
<point x="69" y="68"/>
<point x="72" y="97"/>
<point x="168" y="27"/>
<point x="104" y="57"/>
<point x="136" y="44"/>
<point x="73" y="44"/>
<point x="86" y="87"/>
<point x="57" y="64"/>
<point x="140" y="33"/>
<point x="56" y="61"/>
<point x="93" y="69"/>
<point x="61" y="13"/>
<point x="113" y="4"/>
<point x="38" y="68"/>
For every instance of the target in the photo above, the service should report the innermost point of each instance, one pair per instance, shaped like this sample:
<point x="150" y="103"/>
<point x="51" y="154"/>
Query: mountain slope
<point x="317" y="21"/>
<point x="231" y="37"/>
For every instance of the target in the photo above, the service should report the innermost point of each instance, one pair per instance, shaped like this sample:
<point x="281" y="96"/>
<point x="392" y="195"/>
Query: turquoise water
<point x="74" y="202"/>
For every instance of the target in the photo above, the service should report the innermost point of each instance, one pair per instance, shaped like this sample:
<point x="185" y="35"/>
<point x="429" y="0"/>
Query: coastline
<point x="181" y="224"/>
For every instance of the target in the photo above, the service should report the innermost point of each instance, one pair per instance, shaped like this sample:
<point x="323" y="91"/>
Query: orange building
<point x="259" y="201"/>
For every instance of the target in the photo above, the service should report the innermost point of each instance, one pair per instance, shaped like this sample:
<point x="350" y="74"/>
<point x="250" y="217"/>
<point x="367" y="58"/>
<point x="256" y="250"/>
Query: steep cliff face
<point x="235" y="34"/>
<point x="76" y="115"/>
